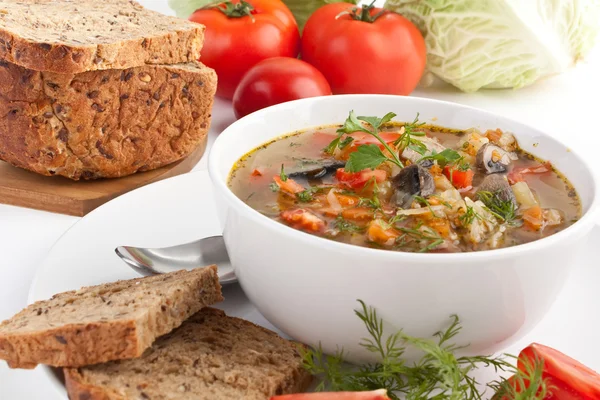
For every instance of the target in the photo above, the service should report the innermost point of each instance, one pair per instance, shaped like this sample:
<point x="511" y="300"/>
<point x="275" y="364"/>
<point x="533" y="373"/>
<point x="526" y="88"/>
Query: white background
<point x="566" y="106"/>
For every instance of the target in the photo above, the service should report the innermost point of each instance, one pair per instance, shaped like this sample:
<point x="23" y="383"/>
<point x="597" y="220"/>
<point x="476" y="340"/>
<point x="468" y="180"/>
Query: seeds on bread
<point x="65" y="36"/>
<point x="209" y="357"/>
<point x="103" y="124"/>
<point x="113" y="321"/>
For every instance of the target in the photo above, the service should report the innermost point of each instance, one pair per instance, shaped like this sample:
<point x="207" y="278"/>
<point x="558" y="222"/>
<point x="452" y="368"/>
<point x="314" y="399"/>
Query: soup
<point x="407" y="186"/>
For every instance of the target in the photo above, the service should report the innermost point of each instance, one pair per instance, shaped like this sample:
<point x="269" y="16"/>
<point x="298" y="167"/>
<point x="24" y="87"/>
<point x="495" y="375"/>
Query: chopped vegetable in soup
<point x="407" y="187"/>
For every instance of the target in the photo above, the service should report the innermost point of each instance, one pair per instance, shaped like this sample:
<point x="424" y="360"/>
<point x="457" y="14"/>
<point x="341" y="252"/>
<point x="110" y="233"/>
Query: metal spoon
<point x="207" y="251"/>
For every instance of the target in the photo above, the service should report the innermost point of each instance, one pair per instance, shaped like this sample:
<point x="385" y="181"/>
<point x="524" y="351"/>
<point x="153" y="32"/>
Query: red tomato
<point x="364" y="138"/>
<point x="277" y="80"/>
<point x="358" y="180"/>
<point x="460" y="179"/>
<point x="239" y="34"/>
<point x="384" y="56"/>
<point x="380" y="394"/>
<point x="558" y="390"/>
<point x="570" y="376"/>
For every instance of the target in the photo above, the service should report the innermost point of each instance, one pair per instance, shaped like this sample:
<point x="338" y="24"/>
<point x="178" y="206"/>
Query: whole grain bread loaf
<point x="107" y="322"/>
<point x="72" y="36"/>
<point x="103" y="124"/>
<point x="210" y="357"/>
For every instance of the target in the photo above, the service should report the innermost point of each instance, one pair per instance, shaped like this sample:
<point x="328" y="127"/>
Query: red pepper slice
<point x="357" y="180"/>
<point x="459" y="178"/>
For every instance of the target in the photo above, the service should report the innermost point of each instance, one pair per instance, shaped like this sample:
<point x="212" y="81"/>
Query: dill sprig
<point x="343" y="225"/>
<point x="439" y="374"/>
<point x="423" y="201"/>
<point x="500" y="208"/>
<point x="469" y="216"/>
<point x="414" y="238"/>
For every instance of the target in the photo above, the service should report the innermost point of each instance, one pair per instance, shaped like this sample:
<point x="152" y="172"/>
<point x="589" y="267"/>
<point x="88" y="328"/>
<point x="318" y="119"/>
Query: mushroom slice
<point x="493" y="159"/>
<point x="412" y="181"/>
<point x="316" y="169"/>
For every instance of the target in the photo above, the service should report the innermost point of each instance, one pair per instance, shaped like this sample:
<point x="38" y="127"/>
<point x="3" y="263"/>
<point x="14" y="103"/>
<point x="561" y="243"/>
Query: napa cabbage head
<point x="475" y="44"/>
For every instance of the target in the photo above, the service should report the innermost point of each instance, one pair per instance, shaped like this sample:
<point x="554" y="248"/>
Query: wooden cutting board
<point x="61" y="195"/>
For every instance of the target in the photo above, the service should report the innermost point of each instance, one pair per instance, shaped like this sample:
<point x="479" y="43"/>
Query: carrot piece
<point x="441" y="226"/>
<point x="494" y="135"/>
<point x="289" y="185"/>
<point x="534" y="218"/>
<point x="470" y="149"/>
<point x="435" y="169"/>
<point x="380" y="232"/>
<point x="303" y="220"/>
<point x="257" y="172"/>
<point x="347" y="201"/>
<point x="358" y="213"/>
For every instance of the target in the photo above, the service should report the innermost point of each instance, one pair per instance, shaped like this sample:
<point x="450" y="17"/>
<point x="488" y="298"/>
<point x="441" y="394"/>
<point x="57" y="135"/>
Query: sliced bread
<point x="210" y="357"/>
<point x="103" y="124"/>
<point x="72" y="36"/>
<point x="107" y="322"/>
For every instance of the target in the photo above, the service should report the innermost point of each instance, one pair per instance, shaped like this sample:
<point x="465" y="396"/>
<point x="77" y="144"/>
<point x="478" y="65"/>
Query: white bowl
<point x="308" y="286"/>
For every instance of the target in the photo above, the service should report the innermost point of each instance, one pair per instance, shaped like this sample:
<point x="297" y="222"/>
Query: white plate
<point x="169" y="212"/>
<point x="181" y="209"/>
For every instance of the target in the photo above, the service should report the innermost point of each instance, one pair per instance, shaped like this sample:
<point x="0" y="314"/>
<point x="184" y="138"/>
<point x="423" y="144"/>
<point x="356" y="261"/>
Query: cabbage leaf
<point x="475" y="44"/>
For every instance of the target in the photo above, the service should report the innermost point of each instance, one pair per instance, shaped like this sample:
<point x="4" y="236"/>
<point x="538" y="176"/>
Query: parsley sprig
<point x="444" y="157"/>
<point x="369" y="155"/>
<point x="439" y="375"/>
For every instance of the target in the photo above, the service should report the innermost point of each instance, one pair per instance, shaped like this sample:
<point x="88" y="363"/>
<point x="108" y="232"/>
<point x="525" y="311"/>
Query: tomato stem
<point x="237" y="10"/>
<point x="363" y="13"/>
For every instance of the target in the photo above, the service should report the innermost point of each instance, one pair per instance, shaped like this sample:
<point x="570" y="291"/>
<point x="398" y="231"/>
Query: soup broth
<point x="407" y="187"/>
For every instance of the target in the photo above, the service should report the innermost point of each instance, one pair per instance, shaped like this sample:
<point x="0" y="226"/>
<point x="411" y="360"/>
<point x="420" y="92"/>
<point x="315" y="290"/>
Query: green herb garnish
<point x="343" y="225"/>
<point x="469" y="216"/>
<point x="406" y="139"/>
<point x="282" y="175"/>
<point x="366" y="156"/>
<point x="274" y="187"/>
<point x="373" y="202"/>
<point x="423" y="201"/>
<point x="443" y="158"/>
<point x="416" y="236"/>
<point x="345" y="142"/>
<point x="502" y="209"/>
<point x="439" y="374"/>
<point x="305" y="196"/>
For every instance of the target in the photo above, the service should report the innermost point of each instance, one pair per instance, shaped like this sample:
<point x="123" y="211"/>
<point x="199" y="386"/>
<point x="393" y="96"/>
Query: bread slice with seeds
<point x="72" y="36"/>
<point x="107" y="322"/>
<point x="210" y="357"/>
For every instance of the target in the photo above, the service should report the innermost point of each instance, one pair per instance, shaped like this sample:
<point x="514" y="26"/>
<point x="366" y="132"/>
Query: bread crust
<point x="104" y="339"/>
<point x="80" y="388"/>
<point x="116" y="34"/>
<point x="103" y="124"/>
